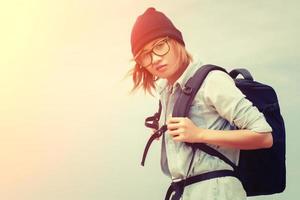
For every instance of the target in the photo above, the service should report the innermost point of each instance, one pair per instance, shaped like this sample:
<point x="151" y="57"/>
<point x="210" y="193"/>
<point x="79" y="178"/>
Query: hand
<point x="182" y="129"/>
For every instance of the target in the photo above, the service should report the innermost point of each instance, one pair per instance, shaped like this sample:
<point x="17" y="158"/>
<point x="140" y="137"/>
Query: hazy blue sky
<point x="69" y="130"/>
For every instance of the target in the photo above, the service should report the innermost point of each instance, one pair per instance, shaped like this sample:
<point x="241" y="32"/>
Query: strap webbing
<point x="213" y="152"/>
<point x="153" y="121"/>
<point x="155" y="135"/>
<point x="178" y="187"/>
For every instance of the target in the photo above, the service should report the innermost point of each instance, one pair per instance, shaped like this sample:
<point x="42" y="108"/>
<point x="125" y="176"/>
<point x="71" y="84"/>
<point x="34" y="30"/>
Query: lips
<point x="160" y="67"/>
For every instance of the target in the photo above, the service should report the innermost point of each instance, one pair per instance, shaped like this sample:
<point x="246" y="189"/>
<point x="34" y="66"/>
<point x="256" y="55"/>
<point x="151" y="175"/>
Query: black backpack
<point x="262" y="171"/>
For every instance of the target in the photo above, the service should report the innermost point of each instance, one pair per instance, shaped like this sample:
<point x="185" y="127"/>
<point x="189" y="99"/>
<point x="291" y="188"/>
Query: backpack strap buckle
<point x="187" y="90"/>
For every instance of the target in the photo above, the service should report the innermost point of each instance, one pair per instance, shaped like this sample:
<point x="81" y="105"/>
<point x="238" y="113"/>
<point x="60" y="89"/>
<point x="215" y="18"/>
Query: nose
<point x="156" y="58"/>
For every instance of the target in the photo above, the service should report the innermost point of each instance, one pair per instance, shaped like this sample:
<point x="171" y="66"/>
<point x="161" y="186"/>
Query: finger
<point x="173" y="133"/>
<point x="178" y="138"/>
<point x="173" y="126"/>
<point x="176" y="132"/>
<point x="174" y="120"/>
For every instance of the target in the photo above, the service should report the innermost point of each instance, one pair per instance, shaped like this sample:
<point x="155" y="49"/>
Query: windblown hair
<point x="143" y="78"/>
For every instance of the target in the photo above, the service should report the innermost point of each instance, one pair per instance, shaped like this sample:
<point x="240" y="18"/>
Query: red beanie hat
<point x="150" y="25"/>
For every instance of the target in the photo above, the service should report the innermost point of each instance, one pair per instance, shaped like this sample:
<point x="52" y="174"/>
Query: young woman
<point x="220" y="115"/>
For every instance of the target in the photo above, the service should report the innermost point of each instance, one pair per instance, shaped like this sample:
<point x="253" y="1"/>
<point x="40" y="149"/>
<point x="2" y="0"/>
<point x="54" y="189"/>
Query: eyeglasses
<point x="160" y="48"/>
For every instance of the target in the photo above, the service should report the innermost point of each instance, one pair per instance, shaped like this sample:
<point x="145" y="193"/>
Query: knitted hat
<point x="150" y="25"/>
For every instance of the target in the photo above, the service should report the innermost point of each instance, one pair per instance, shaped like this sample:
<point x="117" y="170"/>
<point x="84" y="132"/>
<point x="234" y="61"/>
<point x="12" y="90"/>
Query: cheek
<point x="153" y="72"/>
<point x="173" y="60"/>
<point x="173" y="57"/>
<point x="150" y="70"/>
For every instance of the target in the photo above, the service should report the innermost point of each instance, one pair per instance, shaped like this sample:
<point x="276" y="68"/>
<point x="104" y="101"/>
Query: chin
<point x="163" y="76"/>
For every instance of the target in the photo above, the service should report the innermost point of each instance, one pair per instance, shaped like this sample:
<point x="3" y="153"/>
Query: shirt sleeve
<point x="221" y="93"/>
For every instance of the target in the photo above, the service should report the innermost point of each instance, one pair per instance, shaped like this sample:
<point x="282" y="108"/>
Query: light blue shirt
<point x="220" y="105"/>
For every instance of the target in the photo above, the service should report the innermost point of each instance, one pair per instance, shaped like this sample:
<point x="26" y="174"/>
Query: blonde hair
<point x="143" y="78"/>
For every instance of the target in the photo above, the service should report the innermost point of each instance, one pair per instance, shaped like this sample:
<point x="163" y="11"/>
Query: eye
<point x="160" y="45"/>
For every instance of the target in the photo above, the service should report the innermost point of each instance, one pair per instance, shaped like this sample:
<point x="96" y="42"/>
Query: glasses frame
<point x="152" y="51"/>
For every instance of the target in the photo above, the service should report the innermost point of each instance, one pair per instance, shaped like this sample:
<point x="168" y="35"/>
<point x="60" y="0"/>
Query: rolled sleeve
<point x="221" y="93"/>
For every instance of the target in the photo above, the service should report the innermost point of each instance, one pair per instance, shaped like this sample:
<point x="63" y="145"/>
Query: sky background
<point x="70" y="130"/>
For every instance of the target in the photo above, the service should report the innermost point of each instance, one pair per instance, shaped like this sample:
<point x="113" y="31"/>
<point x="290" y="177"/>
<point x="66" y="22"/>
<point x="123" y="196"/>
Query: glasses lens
<point x="144" y="59"/>
<point x="161" y="48"/>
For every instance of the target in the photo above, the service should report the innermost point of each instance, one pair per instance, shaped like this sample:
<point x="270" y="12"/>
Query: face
<point x="161" y="59"/>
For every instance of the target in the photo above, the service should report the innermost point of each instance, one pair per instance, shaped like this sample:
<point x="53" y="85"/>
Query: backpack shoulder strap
<point x="188" y="93"/>
<point x="184" y="101"/>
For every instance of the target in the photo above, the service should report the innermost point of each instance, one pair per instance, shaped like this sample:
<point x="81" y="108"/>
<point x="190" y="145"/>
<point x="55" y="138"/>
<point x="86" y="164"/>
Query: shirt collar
<point x="181" y="81"/>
